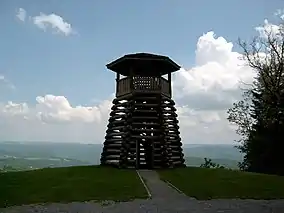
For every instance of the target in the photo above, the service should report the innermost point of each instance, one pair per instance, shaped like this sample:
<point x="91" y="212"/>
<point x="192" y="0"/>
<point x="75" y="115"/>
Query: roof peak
<point x="144" y="64"/>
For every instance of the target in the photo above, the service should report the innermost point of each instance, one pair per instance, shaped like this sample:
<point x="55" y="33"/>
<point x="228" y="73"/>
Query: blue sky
<point x="45" y="76"/>
<point x="39" y="62"/>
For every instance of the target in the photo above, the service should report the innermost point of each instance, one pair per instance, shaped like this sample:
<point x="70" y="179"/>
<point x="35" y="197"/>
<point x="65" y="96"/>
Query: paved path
<point x="164" y="200"/>
<point x="158" y="188"/>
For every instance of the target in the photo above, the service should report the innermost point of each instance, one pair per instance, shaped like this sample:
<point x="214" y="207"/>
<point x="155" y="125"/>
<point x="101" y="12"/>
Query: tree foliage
<point x="259" y="116"/>
<point x="209" y="164"/>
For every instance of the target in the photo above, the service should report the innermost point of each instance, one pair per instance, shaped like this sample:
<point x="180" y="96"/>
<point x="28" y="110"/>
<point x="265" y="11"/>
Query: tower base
<point x="143" y="133"/>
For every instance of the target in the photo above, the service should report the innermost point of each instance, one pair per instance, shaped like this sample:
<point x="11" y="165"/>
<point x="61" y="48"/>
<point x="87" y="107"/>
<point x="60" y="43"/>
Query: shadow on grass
<point x="204" y="184"/>
<point x="81" y="183"/>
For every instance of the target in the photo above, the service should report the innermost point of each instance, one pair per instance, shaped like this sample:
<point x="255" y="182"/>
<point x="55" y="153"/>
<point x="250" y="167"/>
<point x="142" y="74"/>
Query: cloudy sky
<point x="54" y="85"/>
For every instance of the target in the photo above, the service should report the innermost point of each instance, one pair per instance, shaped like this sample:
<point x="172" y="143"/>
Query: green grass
<point x="69" y="184"/>
<point x="206" y="184"/>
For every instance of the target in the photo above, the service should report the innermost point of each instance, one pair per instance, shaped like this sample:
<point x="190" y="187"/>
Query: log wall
<point x="143" y="132"/>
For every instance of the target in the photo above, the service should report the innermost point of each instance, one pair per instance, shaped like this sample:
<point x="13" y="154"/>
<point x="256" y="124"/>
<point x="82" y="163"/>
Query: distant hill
<point x="197" y="161"/>
<point x="83" y="152"/>
<point x="47" y="154"/>
<point x="19" y="163"/>
<point x="214" y="151"/>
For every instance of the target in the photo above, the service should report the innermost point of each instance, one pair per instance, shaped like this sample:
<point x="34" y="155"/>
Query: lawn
<point x="206" y="184"/>
<point x="69" y="184"/>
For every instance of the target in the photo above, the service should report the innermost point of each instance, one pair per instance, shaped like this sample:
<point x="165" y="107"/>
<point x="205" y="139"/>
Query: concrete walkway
<point x="165" y="199"/>
<point x="158" y="188"/>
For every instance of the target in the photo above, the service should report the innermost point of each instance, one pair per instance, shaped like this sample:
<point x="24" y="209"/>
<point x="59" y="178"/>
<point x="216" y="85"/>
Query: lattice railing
<point x="143" y="84"/>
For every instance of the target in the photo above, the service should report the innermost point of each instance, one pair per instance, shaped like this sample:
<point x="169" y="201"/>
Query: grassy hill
<point x="69" y="184"/>
<point x="86" y="183"/>
<point x="203" y="183"/>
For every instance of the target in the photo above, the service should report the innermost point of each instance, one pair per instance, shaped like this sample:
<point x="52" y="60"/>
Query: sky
<point x="54" y="85"/>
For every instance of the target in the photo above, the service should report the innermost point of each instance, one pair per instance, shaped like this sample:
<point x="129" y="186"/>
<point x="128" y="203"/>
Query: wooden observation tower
<point x="143" y="129"/>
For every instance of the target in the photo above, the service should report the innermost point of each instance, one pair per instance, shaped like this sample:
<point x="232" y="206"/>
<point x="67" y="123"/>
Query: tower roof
<point x="144" y="64"/>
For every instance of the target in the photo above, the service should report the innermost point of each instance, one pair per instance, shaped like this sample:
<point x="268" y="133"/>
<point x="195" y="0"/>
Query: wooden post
<point x="117" y="82"/>
<point x="170" y="83"/>
<point x="131" y="79"/>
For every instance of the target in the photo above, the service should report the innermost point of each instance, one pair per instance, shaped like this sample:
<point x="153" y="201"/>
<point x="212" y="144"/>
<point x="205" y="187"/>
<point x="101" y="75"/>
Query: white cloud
<point x="21" y="14"/>
<point x="213" y="84"/>
<point x="203" y="94"/>
<point x="52" y="108"/>
<point x="268" y="29"/>
<point x="208" y="89"/>
<point x="53" y="22"/>
<point x="52" y="118"/>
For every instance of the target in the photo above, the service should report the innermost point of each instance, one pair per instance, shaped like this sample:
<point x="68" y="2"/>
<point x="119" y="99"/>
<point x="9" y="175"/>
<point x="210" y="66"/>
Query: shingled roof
<point x="143" y="64"/>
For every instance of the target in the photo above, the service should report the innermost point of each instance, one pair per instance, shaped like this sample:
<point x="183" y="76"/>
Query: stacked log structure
<point x="143" y="131"/>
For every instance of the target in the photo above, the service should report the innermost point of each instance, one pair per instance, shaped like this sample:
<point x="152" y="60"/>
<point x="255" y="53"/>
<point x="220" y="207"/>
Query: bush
<point x="209" y="164"/>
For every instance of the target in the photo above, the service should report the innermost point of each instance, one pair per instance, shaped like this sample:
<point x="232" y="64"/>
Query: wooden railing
<point x="123" y="86"/>
<point x="165" y="87"/>
<point x="143" y="84"/>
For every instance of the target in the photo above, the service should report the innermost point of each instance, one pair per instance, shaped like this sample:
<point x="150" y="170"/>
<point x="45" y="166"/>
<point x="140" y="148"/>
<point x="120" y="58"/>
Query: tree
<point x="259" y="116"/>
<point x="209" y="164"/>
